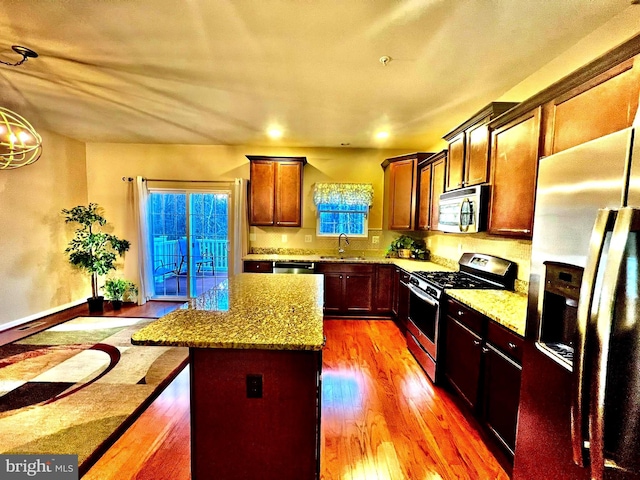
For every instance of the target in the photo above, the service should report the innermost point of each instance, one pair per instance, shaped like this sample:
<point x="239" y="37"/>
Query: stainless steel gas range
<point x="476" y="271"/>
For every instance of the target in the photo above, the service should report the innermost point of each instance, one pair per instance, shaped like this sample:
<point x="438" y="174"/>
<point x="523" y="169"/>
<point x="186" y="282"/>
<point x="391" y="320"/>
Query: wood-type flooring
<point x="382" y="419"/>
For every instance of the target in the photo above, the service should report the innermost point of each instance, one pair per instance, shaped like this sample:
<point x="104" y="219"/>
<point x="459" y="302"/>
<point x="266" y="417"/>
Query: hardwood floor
<point x="381" y="420"/>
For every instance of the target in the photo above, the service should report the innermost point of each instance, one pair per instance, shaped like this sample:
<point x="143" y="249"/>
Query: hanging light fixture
<point x="20" y="144"/>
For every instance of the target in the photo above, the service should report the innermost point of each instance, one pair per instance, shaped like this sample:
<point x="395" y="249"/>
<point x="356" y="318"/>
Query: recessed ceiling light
<point x="274" y="132"/>
<point x="382" y="135"/>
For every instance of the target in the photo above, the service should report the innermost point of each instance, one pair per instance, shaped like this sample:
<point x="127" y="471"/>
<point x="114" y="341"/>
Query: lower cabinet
<point x="357" y="289"/>
<point x="401" y="300"/>
<point x="253" y="266"/>
<point x="483" y="363"/>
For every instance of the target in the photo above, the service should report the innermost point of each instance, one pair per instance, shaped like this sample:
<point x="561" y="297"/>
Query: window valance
<point x="343" y="193"/>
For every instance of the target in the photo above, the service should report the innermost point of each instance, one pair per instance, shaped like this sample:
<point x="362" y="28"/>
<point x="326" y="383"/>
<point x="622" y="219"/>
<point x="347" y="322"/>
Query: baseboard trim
<point x="37" y="316"/>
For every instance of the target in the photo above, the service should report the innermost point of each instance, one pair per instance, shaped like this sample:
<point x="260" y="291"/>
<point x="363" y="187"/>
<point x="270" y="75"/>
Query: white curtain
<point x="240" y="224"/>
<point x="146" y="287"/>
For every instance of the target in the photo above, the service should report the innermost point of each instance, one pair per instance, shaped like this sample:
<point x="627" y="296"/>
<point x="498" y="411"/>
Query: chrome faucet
<point x="346" y="239"/>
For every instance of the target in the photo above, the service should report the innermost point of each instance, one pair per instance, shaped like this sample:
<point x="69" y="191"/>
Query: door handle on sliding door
<point x="626" y="221"/>
<point x="603" y="223"/>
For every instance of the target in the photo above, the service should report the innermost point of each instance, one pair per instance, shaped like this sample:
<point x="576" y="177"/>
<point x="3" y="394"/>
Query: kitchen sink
<point x="339" y="257"/>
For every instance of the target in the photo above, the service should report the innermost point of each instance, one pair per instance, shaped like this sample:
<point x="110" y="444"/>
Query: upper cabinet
<point x="275" y="191"/>
<point x="514" y="165"/>
<point x="431" y="174"/>
<point x="401" y="180"/>
<point x="469" y="148"/>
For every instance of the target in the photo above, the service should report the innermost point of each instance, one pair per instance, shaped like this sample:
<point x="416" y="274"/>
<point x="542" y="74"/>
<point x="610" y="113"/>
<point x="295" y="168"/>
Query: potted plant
<point x="117" y="289"/>
<point x="92" y="249"/>
<point x="408" y="247"/>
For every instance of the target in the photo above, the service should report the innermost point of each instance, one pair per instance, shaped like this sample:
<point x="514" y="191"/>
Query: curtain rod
<point x="131" y="179"/>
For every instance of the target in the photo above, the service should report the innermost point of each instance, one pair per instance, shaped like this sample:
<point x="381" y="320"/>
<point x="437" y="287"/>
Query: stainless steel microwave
<point x="463" y="210"/>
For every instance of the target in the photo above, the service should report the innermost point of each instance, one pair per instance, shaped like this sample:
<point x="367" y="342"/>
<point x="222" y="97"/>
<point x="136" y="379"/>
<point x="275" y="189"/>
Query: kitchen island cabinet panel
<point x="278" y="429"/>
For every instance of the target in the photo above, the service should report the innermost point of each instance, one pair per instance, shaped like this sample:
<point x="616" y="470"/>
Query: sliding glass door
<point x="190" y="241"/>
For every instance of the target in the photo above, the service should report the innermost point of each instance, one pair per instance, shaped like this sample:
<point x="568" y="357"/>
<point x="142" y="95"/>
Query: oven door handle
<point x="423" y="296"/>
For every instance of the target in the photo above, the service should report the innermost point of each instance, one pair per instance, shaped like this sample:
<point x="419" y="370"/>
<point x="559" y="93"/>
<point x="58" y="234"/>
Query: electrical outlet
<point x="252" y="237"/>
<point x="308" y="238"/>
<point x="254" y="385"/>
<point x="375" y="239"/>
<point x="284" y="239"/>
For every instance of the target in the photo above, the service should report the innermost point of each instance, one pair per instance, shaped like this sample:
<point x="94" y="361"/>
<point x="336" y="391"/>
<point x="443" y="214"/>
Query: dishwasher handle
<point x="293" y="267"/>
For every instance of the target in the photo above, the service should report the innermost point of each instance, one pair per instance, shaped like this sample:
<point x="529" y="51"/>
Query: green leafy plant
<point x="416" y="246"/>
<point x="91" y="249"/>
<point x="119" y="289"/>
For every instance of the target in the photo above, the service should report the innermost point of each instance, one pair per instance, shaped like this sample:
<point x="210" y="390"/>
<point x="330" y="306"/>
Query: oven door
<point x="422" y="328"/>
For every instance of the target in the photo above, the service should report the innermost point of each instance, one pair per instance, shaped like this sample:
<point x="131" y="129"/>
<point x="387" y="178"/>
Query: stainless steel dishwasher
<point x="293" y="267"/>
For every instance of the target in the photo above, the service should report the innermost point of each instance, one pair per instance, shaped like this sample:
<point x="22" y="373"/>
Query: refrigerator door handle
<point x="624" y="222"/>
<point x="603" y="223"/>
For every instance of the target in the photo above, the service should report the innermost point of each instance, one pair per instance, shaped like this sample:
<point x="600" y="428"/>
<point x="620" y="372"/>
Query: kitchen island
<point x="255" y="351"/>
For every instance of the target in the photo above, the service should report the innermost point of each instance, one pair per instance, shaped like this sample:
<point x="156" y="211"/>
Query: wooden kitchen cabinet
<point x="605" y="104"/>
<point x="463" y="356"/>
<point x="401" y="180"/>
<point x="275" y="191"/>
<point x="483" y="364"/>
<point x="252" y="266"/>
<point x="515" y="153"/>
<point x="348" y="288"/>
<point x="431" y="186"/>
<point x="384" y="292"/>
<point x="401" y="312"/>
<point x="469" y="148"/>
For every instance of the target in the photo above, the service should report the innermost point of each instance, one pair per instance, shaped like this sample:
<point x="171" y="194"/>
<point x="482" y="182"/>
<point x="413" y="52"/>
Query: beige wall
<point x="35" y="276"/>
<point x="108" y="163"/>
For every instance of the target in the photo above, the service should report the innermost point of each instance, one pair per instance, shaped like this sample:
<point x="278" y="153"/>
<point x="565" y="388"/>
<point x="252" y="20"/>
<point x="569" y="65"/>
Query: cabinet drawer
<point x="258" y="266"/>
<point x="344" y="268"/>
<point x="508" y="342"/>
<point x="475" y="321"/>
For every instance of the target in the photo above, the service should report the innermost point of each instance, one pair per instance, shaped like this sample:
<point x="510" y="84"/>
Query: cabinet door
<point x="262" y="193"/>
<point x="403" y="302"/>
<point x="514" y="166"/>
<point x="258" y="266"/>
<point x="288" y="194"/>
<point x="425" y="199"/>
<point x="333" y="293"/>
<point x="456" y="162"/>
<point x="358" y="293"/>
<point x="437" y="188"/>
<point x="603" y="105"/>
<point x="502" y="396"/>
<point x="463" y="355"/>
<point x="476" y="169"/>
<point x="402" y="204"/>
<point x="384" y="289"/>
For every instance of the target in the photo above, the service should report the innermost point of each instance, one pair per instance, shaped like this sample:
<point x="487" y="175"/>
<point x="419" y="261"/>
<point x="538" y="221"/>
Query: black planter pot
<point x="96" y="304"/>
<point x="116" y="304"/>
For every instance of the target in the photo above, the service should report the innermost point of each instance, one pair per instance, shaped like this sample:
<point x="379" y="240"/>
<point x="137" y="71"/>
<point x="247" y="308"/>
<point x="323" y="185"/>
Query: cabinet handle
<point x="340" y="276"/>
<point x="347" y="277"/>
<point x="476" y="343"/>
<point x="460" y="313"/>
<point x="485" y="350"/>
<point x="512" y="345"/>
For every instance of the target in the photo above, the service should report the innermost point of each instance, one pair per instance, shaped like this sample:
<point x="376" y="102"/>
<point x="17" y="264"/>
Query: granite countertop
<point x="256" y="311"/>
<point x="407" y="265"/>
<point x="509" y="309"/>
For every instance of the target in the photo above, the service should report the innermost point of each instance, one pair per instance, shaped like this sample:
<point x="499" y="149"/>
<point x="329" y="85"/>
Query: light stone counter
<point x="506" y="308"/>
<point x="257" y="311"/>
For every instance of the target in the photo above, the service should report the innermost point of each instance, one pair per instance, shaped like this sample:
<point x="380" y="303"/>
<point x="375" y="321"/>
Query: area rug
<point x="75" y="387"/>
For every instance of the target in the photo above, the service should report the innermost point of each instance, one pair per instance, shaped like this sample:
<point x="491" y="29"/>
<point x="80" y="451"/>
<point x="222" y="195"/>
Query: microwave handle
<point x="463" y="227"/>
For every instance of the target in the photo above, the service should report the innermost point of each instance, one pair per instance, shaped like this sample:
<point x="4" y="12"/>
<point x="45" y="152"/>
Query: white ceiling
<point x="222" y="72"/>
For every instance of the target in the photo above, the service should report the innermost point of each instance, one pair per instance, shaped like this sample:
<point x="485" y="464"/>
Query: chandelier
<point x="20" y="144"/>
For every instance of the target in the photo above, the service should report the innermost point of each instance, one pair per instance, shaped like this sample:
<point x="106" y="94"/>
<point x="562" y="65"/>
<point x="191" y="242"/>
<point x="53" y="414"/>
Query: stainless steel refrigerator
<point x="579" y="414"/>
